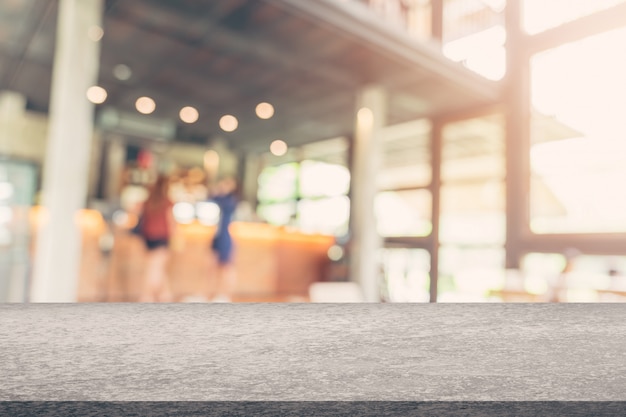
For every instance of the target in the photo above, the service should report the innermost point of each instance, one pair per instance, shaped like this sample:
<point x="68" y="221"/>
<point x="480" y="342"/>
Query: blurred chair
<point x="335" y="292"/>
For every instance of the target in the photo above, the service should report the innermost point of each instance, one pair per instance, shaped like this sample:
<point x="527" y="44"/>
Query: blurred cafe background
<point x="385" y="150"/>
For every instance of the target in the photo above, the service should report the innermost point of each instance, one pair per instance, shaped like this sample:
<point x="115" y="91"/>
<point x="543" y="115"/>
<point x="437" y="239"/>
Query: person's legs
<point x="163" y="289"/>
<point x="212" y="274"/>
<point x="223" y="282"/>
<point x="147" y="292"/>
<point x="155" y="287"/>
<point x="226" y="276"/>
<point x="227" y="280"/>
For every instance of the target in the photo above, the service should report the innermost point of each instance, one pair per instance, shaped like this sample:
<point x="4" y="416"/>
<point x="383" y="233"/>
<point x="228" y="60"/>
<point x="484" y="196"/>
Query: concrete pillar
<point x="365" y="241"/>
<point x="65" y="180"/>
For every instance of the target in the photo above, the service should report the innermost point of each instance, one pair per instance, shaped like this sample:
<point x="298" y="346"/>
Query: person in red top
<point x="157" y="225"/>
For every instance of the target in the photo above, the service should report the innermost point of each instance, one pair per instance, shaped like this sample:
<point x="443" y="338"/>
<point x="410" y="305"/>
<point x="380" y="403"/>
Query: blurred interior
<point x="493" y="170"/>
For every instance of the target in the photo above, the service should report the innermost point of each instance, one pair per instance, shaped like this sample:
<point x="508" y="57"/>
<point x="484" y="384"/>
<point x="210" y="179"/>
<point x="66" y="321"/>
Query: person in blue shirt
<point x="224" y="195"/>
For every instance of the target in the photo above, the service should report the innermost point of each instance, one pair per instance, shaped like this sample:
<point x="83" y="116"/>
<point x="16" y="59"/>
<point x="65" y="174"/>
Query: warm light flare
<point x="189" y="114"/>
<point x="278" y="148"/>
<point x="229" y="123"/>
<point x="95" y="33"/>
<point x="145" y="105"/>
<point x="96" y="94"/>
<point x="264" y="110"/>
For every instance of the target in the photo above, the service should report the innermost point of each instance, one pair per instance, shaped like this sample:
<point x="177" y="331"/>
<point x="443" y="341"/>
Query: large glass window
<point x="578" y="154"/>
<point x="470" y="273"/>
<point x="406" y="275"/>
<point x="474" y="34"/>
<point x="311" y="195"/>
<point x="404" y="213"/>
<point x="403" y="207"/>
<point x="279" y="183"/>
<point x="405" y="156"/>
<point x="472" y="219"/>
<point x="18" y="182"/>
<point x="411" y="15"/>
<point x="323" y="206"/>
<point x="320" y="179"/>
<point x="277" y="193"/>
<point x="472" y="177"/>
<point x="473" y="213"/>
<point x="575" y="277"/>
<point x="539" y="15"/>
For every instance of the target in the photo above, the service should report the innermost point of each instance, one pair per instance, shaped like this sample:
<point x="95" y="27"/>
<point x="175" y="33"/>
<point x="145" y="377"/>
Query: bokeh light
<point x="122" y="72"/>
<point x="264" y="110"/>
<point x="229" y="123"/>
<point x="184" y="212"/>
<point x="95" y="33"/>
<point x="96" y="94"/>
<point x="189" y="114"/>
<point x="145" y="105"/>
<point x="278" y="148"/>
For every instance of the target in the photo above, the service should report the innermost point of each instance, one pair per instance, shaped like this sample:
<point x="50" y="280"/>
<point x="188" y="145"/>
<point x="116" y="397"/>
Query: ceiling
<point x="308" y="58"/>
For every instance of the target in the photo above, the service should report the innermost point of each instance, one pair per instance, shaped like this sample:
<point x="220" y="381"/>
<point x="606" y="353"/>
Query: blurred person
<point x="156" y="227"/>
<point x="224" y="195"/>
<point x="617" y="279"/>
<point x="558" y="286"/>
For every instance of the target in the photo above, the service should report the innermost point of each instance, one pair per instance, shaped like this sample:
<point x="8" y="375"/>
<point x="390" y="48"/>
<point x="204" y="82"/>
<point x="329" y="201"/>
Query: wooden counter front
<point x="268" y="260"/>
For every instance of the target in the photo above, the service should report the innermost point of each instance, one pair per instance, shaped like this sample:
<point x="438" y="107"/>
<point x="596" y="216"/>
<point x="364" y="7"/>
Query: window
<point x="404" y="213"/>
<point x="404" y="206"/>
<point x="473" y="219"/>
<point x="591" y="278"/>
<point x="18" y="184"/>
<point x="539" y="15"/>
<point x="470" y="274"/>
<point x="311" y="195"/>
<point x="406" y="275"/>
<point x="278" y="183"/>
<point x="412" y="15"/>
<point x="474" y="34"/>
<point x="578" y="153"/>
<point x="472" y="178"/>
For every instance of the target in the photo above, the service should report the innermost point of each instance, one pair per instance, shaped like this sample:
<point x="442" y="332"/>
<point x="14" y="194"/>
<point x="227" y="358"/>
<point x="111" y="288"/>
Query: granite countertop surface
<point x="311" y="352"/>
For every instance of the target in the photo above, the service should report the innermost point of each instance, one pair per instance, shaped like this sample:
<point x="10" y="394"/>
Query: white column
<point x="365" y="242"/>
<point x="65" y="180"/>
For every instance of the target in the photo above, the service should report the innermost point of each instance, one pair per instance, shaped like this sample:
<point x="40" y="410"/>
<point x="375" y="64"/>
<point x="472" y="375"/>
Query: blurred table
<point x="608" y="294"/>
<point x="516" y="295"/>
